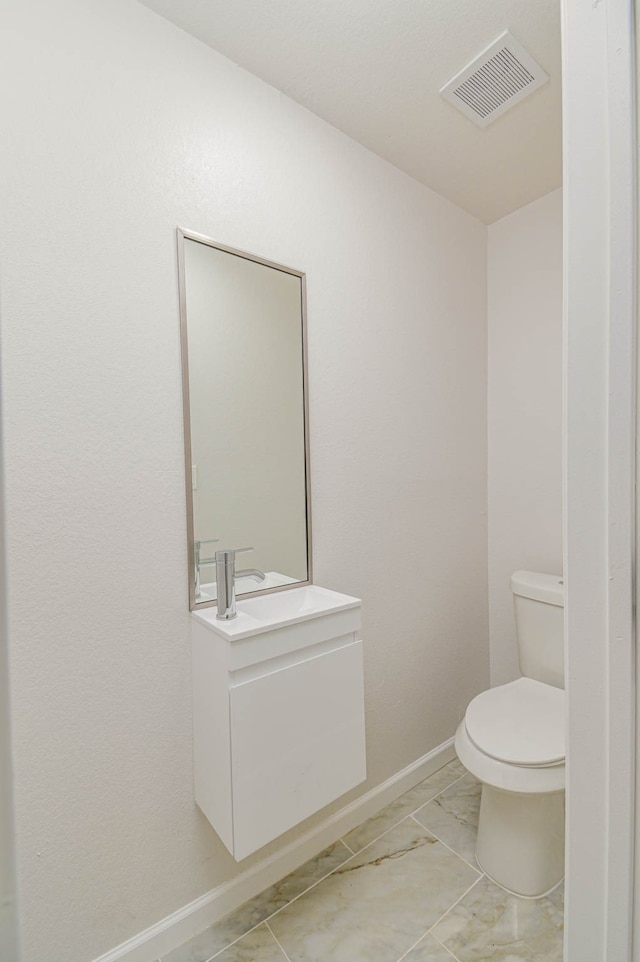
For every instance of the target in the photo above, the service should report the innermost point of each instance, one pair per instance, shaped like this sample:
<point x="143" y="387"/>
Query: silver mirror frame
<point x="183" y="235"/>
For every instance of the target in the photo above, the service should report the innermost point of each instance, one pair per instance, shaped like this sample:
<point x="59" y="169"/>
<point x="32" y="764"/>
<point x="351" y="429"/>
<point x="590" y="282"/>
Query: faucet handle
<point x="228" y="555"/>
<point x="197" y="545"/>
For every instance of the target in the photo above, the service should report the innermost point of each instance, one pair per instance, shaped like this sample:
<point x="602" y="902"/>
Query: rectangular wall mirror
<point x="246" y="416"/>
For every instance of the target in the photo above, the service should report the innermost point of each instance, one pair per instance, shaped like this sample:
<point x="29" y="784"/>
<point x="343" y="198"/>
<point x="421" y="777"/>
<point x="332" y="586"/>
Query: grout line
<point x="349" y="849"/>
<point x="346" y="845"/>
<point x="405" y="818"/>
<point x="341" y="864"/>
<point x="436" y="939"/>
<point x="235" y="941"/>
<point x="420" y="940"/>
<point x="300" y="894"/>
<point x="230" y="944"/>
<point x="476" y="868"/>
<point x="430" y="933"/>
<point x="290" y="902"/>
<point x="454" y="781"/>
<point x="452" y="765"/>
<point x="360" y="851"/>
<point x="266" y="920"/>
<point x="412" y="947"/>
<point x="278" y="943"/>
<point x="444" y="914"/>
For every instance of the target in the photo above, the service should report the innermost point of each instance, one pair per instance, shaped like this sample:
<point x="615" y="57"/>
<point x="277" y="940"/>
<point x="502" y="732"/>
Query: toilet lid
<point x="521" y="723"/>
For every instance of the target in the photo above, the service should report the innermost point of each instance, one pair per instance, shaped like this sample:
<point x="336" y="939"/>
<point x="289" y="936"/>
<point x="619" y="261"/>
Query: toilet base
<point x="521" y="840"/>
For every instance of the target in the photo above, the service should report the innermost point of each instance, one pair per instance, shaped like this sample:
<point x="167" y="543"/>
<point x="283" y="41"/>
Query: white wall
<point x="117" y="127"/>
<point x="524" y="265"/>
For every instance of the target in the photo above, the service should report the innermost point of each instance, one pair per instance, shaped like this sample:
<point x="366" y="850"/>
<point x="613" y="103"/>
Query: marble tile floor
<point x="401" y="887"/>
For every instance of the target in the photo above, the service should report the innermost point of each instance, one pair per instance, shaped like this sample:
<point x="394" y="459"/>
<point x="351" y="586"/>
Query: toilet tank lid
<point x="538" y="587"/>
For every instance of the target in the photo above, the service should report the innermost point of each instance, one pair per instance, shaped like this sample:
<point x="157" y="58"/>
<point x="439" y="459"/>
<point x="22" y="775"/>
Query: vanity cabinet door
<point x="297" y="743"/>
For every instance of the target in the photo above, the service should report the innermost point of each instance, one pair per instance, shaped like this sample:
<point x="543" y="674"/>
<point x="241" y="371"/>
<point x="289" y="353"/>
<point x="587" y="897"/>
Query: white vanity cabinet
<point x="278" y="709"/>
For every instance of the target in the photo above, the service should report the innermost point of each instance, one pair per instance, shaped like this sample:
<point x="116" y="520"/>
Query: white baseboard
<point x="182" y="925"/>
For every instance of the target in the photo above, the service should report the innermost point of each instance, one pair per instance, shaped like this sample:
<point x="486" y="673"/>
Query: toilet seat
<point x="521" y="723"/>
<point x="527" y="780"/>
<point x="512" y="737"/>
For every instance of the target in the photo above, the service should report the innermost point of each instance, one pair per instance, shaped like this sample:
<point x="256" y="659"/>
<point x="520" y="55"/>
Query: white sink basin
<point x="278" y="610"/>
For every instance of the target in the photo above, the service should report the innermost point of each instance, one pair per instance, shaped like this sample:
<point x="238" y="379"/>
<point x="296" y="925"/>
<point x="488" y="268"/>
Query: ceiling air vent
<point x="501" y="76"/>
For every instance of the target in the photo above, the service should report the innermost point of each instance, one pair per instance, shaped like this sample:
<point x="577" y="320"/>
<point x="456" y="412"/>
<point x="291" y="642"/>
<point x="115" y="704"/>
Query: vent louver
<point x="500" y="77"/>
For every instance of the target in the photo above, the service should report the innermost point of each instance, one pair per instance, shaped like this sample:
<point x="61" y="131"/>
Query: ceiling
<point x="373" y="68"/>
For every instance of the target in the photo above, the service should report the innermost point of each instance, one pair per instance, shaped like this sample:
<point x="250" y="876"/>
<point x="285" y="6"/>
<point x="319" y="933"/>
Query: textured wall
<point x="525" y="410"/>
<point x="117" y="127"/>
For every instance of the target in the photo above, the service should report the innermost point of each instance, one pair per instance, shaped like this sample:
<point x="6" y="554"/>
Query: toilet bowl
<point x="512" y="739"/>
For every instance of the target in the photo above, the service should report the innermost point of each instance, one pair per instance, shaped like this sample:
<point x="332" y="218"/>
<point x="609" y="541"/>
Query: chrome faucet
<point x="200" y="562"/>
<point x="226" y="577"/>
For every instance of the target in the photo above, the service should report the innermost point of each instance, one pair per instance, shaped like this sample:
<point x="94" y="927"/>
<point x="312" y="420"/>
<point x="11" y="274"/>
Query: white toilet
<point x="512" y="740"/>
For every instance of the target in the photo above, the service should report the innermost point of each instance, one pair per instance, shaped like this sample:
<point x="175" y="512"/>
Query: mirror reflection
<point x="245" y="417"/>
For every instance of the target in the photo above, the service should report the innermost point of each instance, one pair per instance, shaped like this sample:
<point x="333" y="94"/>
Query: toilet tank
<point x="539" y="608"/>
